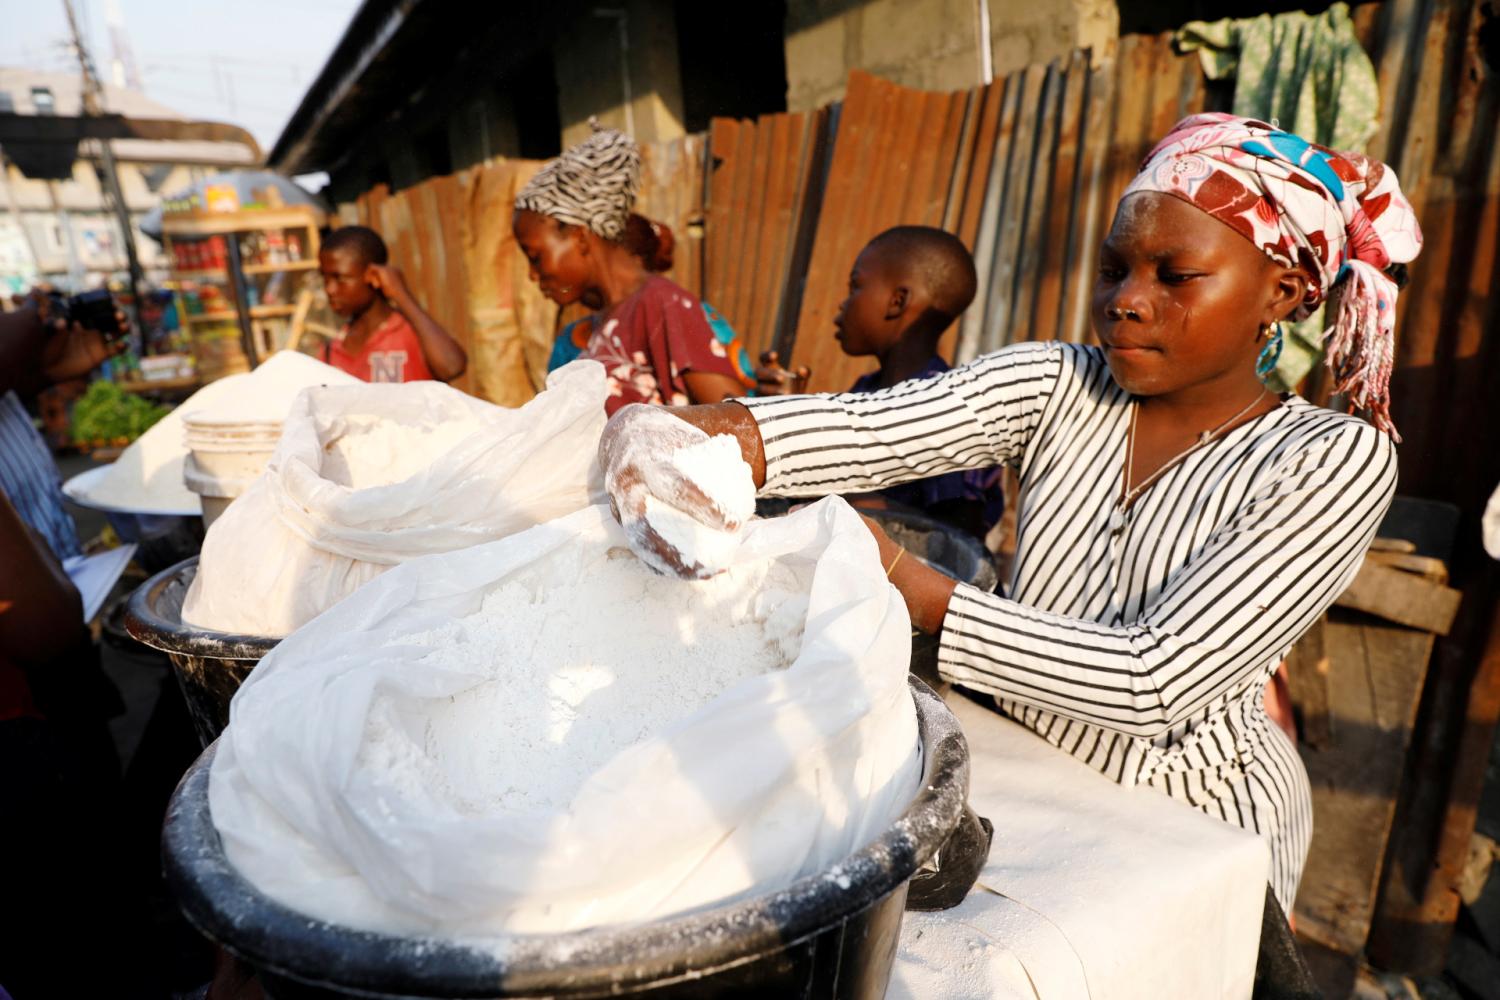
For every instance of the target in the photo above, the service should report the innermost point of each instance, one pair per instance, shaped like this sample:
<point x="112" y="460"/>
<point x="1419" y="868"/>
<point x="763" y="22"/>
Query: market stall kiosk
<point x="241" y="281"/>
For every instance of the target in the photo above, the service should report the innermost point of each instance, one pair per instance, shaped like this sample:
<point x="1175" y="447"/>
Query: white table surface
<point x="1105" y="892"/>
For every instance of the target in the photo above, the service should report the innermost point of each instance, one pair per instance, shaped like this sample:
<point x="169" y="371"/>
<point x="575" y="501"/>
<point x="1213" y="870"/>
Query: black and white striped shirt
<point x="1139" y="641"/>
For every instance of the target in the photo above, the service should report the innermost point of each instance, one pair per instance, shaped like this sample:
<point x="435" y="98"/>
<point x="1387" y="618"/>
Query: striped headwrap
<point x="592" y="184"/>
<point x="1338" y="216"/>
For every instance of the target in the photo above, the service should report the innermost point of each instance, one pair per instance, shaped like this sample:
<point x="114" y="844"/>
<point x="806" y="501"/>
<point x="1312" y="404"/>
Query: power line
<point x="207" y="56"/>
<point x="271" y="76"/>
<point x="114" y="199"/>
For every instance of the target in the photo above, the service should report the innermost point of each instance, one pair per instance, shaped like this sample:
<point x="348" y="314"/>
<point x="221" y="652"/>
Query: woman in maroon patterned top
<point x="651" y="335"/>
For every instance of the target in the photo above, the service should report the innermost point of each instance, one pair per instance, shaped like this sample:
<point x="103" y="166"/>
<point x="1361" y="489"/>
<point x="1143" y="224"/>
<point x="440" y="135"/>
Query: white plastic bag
<point x="782" y="775"/>
<point x="297" y="542"/>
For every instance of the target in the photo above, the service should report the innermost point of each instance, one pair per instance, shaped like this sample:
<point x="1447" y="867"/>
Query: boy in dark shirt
<point x="907" y="286"/>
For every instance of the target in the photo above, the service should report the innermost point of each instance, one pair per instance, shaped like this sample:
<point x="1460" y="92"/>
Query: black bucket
<point x="824" y="936"/>
<point x="210" y="666"/>
<point x="949" y="550"/>
<point x="942" y="546"/>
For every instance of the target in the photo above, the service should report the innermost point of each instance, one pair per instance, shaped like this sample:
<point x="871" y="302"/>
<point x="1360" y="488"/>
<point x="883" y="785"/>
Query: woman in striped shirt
<point x="1180" y="526"/>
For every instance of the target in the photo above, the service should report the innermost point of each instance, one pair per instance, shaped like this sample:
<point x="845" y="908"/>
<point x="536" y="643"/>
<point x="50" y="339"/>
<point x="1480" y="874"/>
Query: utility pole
<point x="93" y="106"/>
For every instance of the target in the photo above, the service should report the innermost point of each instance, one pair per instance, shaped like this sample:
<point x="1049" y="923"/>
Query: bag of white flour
<point x="540" y="734"/>
<point x="365" y="477"/>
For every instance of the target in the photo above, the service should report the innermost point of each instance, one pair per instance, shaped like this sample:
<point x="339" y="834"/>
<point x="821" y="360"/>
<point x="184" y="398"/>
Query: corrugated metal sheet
<point x="1071" y="137"/>
<point x="672" y="192"/>
<point x="760" y="174"/>
<point x="895" y="160"/>
<point x="1027" y="171"/>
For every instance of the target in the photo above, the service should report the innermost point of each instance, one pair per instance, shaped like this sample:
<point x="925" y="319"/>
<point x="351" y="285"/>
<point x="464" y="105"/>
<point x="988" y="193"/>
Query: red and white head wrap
<point x="1340" y="217"/>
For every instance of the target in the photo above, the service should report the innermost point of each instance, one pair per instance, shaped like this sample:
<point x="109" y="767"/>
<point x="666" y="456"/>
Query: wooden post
<point x="1419" y="899"/>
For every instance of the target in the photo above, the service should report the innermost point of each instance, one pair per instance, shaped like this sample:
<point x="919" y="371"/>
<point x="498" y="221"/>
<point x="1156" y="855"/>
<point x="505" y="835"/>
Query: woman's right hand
<point x="635" y="453"/>
<point x="771" y="379"/>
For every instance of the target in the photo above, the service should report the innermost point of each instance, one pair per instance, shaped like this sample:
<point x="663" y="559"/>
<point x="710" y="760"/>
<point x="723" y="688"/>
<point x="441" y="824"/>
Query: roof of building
<point x="400" y="55"/>
<point x="19" y="86"/>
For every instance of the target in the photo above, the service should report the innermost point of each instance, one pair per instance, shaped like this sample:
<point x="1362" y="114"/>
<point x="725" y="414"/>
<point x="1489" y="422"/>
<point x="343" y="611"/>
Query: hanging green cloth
<point x="1309" y="75"/>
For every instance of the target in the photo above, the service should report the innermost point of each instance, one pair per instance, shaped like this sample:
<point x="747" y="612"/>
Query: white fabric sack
<point x="297" y="542"/>
<point x="782" y="775"/>
<point x="1491" y="525"/>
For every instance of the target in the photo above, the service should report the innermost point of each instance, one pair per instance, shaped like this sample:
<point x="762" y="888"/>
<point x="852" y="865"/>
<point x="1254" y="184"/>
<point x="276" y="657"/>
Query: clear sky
<point x="247" y="62"/>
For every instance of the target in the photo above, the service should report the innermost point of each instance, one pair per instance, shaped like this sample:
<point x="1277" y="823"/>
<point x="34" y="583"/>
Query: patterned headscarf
<point x="1340" y="217"/>
<point x="591" y="184"/>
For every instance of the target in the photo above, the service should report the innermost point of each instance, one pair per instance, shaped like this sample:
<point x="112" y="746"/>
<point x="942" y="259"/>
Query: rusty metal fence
<point x="769" y="215"/>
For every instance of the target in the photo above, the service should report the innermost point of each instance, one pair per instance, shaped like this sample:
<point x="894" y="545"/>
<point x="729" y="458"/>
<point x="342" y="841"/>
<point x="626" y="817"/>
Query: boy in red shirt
<point x="388" y="336"/>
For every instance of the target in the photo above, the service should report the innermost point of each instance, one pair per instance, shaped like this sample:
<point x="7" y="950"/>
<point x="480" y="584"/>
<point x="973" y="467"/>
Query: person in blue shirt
<point x="907" y="286"/>
<point x="36" y="352"/>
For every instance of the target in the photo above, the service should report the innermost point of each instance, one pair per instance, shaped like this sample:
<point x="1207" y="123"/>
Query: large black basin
<point x="831" y="935"/>
<point x="210" y="666"/>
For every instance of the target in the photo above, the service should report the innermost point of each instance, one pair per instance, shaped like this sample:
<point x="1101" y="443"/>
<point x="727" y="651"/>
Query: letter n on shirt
<point x="387" y="366"/>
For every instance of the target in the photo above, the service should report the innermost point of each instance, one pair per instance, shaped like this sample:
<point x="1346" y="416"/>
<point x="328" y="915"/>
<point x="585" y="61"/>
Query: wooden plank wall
<point x="1440" y="111"/>
<point x="894" y="161"/>
<point x="1438" y="66"/>
<point x="762" y="175"/>
<point x="672" y="193"/>
<point x="1027" y="171"/>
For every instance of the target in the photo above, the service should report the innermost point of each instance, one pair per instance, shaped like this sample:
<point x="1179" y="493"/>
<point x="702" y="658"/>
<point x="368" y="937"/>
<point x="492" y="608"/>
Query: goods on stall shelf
<point x="200" y="298"/>
<point x="243" y="279"/>
<point x="272" y="249"/>
<point x="211" y="254"/>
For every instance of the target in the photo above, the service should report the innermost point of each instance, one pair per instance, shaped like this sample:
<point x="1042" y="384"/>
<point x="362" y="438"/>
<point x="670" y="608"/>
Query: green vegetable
<point x="106" y="412"/>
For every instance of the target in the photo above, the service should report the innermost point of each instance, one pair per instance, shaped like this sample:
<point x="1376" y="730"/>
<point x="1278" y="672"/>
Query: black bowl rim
<point x="146" y="625"/>
<point x="225" y="907"/>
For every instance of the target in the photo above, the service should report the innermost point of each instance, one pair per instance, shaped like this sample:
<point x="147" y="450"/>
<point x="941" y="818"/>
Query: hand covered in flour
<point x="681" y="495"/>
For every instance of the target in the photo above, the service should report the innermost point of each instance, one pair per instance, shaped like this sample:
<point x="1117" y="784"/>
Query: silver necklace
<point x="1204" y="438"/>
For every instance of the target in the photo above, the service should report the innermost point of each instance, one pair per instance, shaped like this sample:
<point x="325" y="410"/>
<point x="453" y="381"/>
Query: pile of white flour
<point x="583" y="656"/>
<point x="720" y="473"/>
<point x="374" y="451"/>
<point x="265" y="395"/>
<point x="147" y="476"/>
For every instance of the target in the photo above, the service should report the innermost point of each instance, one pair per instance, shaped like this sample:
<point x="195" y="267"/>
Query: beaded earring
<point x="1265" y="364"/>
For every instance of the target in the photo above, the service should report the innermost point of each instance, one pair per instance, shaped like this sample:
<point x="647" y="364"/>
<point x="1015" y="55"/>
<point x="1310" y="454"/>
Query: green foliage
<point x="106" y="412"/>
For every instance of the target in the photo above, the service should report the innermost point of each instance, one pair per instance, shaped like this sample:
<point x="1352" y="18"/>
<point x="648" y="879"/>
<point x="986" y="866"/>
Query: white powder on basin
<point x="581" y="658"/>
<point x="372" y="451"/>
<point x="148" y="475"/>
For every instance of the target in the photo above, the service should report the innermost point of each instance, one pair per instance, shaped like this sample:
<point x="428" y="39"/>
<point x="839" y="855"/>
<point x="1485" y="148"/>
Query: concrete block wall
<point x="930" y="44"/>
<point x="587" y="61"/>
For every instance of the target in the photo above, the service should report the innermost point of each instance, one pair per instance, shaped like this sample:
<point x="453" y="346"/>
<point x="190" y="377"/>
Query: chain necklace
<point x="1203" y="438"/>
